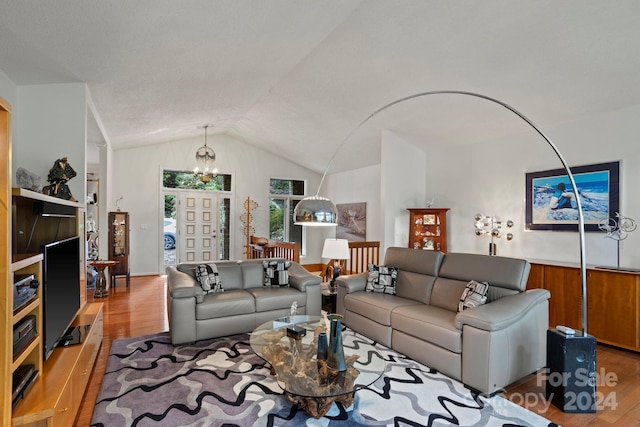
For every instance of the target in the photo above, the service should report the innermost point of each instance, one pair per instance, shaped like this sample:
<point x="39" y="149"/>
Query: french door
<point x="201" y="226"/>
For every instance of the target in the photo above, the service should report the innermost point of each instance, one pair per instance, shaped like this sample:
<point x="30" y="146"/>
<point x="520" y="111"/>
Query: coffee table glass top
<point x="295" y="361"/>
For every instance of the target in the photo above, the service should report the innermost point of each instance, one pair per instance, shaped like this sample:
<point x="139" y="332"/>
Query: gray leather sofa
<point x="244" y="304"/>
<point x="486" y="347"/>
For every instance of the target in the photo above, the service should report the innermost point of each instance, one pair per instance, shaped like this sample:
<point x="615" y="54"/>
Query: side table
<point x="102" y="285"/>
<point x="329" y="298"/>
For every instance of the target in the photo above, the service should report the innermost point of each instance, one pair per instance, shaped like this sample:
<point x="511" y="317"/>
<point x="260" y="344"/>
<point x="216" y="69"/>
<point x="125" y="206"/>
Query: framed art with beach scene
<point x="551" y="204"/>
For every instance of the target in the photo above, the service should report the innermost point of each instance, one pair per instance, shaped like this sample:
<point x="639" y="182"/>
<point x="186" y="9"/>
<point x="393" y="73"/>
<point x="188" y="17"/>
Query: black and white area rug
<point x="222" y="382"/>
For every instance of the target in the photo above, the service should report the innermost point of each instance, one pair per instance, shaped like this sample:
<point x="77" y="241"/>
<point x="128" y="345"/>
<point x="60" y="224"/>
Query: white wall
<point x="402" y="177"/>
<point x="356" y="186"/>
<point x="49" y="124"/>
<point x="8" y="90"/>
<point x="490" y="178"/>
<point x="137" y="178"/>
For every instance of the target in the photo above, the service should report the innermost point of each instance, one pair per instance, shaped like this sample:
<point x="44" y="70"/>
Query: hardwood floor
<point x="128" y="312"/>
<point x="141" y="310"/>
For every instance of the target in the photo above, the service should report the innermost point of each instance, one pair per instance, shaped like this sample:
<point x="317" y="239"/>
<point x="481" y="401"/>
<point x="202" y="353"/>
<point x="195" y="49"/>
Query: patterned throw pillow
<point x="382" y="279"/>
<point x="276" y="273"/>
<point x="475" y="294"/>
<point x="207" y="276"/>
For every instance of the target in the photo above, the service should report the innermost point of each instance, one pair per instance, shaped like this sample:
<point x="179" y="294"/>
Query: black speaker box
<point x="571" y="376"/>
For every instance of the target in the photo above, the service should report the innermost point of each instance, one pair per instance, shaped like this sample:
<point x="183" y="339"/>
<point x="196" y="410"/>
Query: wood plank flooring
<point x="141" y="310"/>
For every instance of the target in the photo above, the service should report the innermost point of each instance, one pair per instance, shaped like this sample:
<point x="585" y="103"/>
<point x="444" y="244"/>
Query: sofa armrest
<point x="300" y="278"/>
<point x="502" y="313"/>
<point x="352" y="283"/>
<point x="181" y="285"/>
<point x="347" y="285"/>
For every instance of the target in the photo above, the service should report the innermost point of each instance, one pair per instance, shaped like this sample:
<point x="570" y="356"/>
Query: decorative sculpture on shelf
<point x="59" y="174"/>
<point x="618" y="229"/>
<point x="491" y="226"/>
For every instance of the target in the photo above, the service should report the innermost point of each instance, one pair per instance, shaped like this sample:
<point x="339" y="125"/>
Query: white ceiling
<point x="295" y="77"/>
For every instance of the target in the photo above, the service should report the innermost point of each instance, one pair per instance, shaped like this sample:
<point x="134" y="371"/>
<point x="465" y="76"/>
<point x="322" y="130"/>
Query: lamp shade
<point x="335" y="249"/>
<point x="315" y="211"/>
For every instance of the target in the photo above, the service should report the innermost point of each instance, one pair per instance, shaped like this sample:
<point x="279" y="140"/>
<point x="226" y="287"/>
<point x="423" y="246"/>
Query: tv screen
<point x="61" y="291"/>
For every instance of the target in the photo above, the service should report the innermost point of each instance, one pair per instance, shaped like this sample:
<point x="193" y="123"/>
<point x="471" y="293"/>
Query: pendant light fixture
<point x="205" y="157"/>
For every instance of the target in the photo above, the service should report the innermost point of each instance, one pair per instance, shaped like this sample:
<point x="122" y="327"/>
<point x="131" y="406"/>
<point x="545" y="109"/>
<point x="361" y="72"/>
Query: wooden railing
<point x="361" y="255"/>
<point x="286" y="250"/>
<point x="275" y="249"/>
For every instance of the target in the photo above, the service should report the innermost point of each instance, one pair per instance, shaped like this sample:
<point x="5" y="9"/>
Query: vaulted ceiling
<point x="295" y="77"/>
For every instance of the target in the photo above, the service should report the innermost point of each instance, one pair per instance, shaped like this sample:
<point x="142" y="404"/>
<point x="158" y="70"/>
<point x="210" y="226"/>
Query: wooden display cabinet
<point x="119" y="245"/>
<point x="428" y="229"/>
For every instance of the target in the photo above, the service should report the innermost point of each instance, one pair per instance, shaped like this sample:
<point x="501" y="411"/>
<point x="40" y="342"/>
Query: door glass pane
<point x="170" y="236"/>
<point x="224" y="233"/>
<point x="276" y="219"/>
<point x="295" y="231"/>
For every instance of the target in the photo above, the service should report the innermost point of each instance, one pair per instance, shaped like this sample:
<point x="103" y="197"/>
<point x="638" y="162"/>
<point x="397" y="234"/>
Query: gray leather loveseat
<point x="485" y="347"/>
<point x="244" y="304"/>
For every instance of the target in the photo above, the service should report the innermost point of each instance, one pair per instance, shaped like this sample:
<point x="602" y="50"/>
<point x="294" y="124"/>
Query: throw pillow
<point x="474" y="294"/>
<point x="207" y="276"/>
<point x="382" y="279"/>
<point x="276" y="273"/>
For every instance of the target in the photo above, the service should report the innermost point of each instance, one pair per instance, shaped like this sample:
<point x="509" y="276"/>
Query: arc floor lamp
<point x="320" y="211"/>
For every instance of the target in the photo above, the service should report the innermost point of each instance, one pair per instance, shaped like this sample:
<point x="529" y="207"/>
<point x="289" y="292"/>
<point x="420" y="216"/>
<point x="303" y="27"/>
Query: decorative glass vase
<point x="335" y="353"/>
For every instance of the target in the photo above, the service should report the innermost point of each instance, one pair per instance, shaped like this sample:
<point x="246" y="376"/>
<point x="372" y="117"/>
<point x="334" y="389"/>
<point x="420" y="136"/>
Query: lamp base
<point x="571" y="379"/>
<point x="492" y="249"/>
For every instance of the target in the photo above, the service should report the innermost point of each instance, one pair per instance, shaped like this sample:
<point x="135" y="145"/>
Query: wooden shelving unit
<point x="119" y="245"/>
<point x="55" y="395"/>
<point x="428" y="229"/>
<point x="32" y="353"/>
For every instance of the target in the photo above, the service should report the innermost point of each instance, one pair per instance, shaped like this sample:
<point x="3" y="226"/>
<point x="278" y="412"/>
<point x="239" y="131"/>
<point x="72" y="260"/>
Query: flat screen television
<point x="61" y="290"/>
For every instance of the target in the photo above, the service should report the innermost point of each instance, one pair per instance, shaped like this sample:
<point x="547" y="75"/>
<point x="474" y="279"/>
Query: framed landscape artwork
<point x="551" y="204"/>
<point x="352" y="222"/>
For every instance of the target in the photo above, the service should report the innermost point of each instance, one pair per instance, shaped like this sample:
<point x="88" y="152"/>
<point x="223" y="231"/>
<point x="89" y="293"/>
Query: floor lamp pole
<point x="583" y="267"/>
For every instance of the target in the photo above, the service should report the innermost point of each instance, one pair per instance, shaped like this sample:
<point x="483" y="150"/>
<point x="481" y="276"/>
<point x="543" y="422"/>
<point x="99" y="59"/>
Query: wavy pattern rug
<point x="222" y="382"/>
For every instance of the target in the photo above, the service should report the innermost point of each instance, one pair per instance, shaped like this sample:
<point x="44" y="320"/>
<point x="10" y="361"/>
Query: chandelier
<point x="205" y="157"/>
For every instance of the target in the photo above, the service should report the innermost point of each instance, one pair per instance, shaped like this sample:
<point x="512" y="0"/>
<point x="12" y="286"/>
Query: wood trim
<point x="6" y="293"/>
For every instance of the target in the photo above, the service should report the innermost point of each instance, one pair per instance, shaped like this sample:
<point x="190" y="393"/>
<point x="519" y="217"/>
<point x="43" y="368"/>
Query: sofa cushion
<point x="230" y="273"/>
<point x="428" y="323"/>
<point x="417" y="271"/>
<point x="276" y="298"/>
<point x="382" y="279"/>
<point x="474" y="295"/>
<point x="252" y="273"/>
<point x="446" y="293"/>
<point x="223" y="304"/>
<point x="207" y="276"/>
<point x="375" y="306"/>
<point x="276" y="273"/>
<point x="507" y="273"/>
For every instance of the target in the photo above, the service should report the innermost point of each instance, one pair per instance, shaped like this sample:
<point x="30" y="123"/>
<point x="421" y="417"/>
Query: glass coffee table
<point x="307" y="382"/>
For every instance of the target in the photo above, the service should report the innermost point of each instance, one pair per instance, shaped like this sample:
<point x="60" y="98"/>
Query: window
<point x="284" y="196"/>
<point x="188" y="181"/>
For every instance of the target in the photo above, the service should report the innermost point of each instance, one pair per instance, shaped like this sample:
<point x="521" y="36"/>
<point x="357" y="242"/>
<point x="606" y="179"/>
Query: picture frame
<point x="352" y="222"/>
<point x="550" y="202"/>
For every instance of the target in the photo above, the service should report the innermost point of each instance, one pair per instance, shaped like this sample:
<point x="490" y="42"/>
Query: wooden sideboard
<point x="56" y="395"/>
<point x="613" y="301"/>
